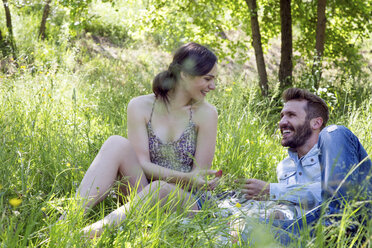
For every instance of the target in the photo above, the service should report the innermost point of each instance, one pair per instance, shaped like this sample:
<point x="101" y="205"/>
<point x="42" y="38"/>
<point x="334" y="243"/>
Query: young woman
<point x="171" y="138"/>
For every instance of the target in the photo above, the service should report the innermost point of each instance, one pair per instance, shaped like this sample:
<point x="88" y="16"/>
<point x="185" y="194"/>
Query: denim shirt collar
<point x="293" y="154"/>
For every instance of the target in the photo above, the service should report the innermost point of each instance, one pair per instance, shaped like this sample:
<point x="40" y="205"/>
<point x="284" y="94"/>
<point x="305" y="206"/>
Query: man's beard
<point x="300" y="136"/>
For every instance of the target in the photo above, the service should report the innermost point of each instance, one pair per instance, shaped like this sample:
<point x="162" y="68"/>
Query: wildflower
<point x="238" y="205"/>
<point x="68" y="164"/>
<point x="234" y="83"/>
<point x="43" y="209"/>
<point x="15" y="202"/>
<point x="228" y="89"/>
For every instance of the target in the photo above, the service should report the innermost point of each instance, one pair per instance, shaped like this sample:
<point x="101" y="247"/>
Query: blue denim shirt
<point x="346" y="169"/>
<point x="299" y="180"/>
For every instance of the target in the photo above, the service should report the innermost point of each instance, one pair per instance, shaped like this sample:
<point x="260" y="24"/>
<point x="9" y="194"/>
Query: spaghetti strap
<point x="152" y="110"/>
<point x="190" y="113"/>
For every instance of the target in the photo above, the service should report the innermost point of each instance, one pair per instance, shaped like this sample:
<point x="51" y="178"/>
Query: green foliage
<point x="172" y="23"/>
<point x="347" y="26"/>
<point x="223" y="25"/>
<point x="270" y="20"/>
<point x="78" y="10"/>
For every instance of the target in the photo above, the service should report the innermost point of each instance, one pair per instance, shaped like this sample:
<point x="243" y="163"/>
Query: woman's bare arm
<point x="206" y="118"/>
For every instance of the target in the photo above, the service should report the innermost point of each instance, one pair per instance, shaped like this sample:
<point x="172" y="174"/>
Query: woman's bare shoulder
<point x="205" y="110"/>
<point x="142" y="102"/>
<point x="141" y="106"/>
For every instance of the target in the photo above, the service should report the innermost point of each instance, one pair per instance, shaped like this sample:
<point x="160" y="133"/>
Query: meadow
<point x="65" y="98"/>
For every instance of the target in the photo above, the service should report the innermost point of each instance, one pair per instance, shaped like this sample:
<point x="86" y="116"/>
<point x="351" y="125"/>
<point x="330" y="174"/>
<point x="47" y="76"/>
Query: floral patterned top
<point x="176" y="155"/>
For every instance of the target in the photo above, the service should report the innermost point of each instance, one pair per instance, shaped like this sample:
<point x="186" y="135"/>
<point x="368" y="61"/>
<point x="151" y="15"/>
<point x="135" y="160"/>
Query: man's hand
<point x="256" y="189"/>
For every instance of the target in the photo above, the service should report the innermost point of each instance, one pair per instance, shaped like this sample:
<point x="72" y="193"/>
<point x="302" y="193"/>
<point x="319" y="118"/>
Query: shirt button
<point x="285" y="175"/>
<point x="312" y="160"/>
<point x="300" y="173"/>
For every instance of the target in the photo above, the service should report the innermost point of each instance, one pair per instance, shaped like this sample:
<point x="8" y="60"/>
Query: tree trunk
<point x="3" y="45"/>
<point x="286" y="65"/>
<point x="256" y="43"/>
<point x="10" y="27"/>
<point x="2" y="40"/>
<point x="319" y="43"/>
<point x="43" y="20"/>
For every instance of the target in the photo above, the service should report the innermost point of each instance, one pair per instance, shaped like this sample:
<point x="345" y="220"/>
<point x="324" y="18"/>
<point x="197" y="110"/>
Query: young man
<point x="325" y="164"/>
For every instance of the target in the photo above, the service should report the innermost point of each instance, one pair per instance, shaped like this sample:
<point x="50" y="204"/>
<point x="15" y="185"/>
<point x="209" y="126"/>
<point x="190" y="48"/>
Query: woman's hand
<point x="198" y="179"/>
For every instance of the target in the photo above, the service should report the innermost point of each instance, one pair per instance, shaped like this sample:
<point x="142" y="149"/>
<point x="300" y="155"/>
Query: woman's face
<point x="199" y="86"/>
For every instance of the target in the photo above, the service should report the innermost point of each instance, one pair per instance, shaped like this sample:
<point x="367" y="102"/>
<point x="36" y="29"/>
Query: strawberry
<point x="218" y="173"/>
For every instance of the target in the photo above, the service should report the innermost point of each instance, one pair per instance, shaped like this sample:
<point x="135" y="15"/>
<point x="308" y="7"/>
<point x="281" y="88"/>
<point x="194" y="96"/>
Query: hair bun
<point x="163" y="82"/>
<point x="174" y="69"/>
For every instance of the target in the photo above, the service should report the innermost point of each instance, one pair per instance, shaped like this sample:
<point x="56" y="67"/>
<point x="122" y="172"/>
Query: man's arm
<point x="346" y="168"/>
<point x="305" y="195"/>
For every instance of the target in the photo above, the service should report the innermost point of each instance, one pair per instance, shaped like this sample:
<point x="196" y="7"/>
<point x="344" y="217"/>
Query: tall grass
<point x="53" y="124"/>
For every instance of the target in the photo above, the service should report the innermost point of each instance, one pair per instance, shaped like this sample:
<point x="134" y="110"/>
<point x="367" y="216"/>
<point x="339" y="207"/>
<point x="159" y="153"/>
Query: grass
<point x="66" y="98"/>
<point x="53" y="124"/>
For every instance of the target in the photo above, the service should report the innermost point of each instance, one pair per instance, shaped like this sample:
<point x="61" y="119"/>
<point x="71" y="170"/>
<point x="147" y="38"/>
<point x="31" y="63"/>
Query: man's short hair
<point x="315" y="107"/>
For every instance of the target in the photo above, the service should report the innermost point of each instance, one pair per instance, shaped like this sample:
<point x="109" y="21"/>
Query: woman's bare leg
<point x="116" y="157"/>
<point x="155" y="191"/>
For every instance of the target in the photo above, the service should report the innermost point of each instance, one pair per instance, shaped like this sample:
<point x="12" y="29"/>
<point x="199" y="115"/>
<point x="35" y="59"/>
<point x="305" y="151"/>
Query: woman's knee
<point x="118" y="145"/>
<point x="116" y="141"/>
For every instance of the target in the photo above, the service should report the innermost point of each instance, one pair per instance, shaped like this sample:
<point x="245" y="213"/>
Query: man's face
<point x="294" y="125"/>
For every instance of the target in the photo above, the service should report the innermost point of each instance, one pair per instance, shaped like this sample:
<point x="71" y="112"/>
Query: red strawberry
<point x="218" y="173"/>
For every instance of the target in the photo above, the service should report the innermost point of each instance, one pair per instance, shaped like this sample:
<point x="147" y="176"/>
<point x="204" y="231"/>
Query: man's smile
<point x="286" y="131"/>
<point x="204" y="93"/>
